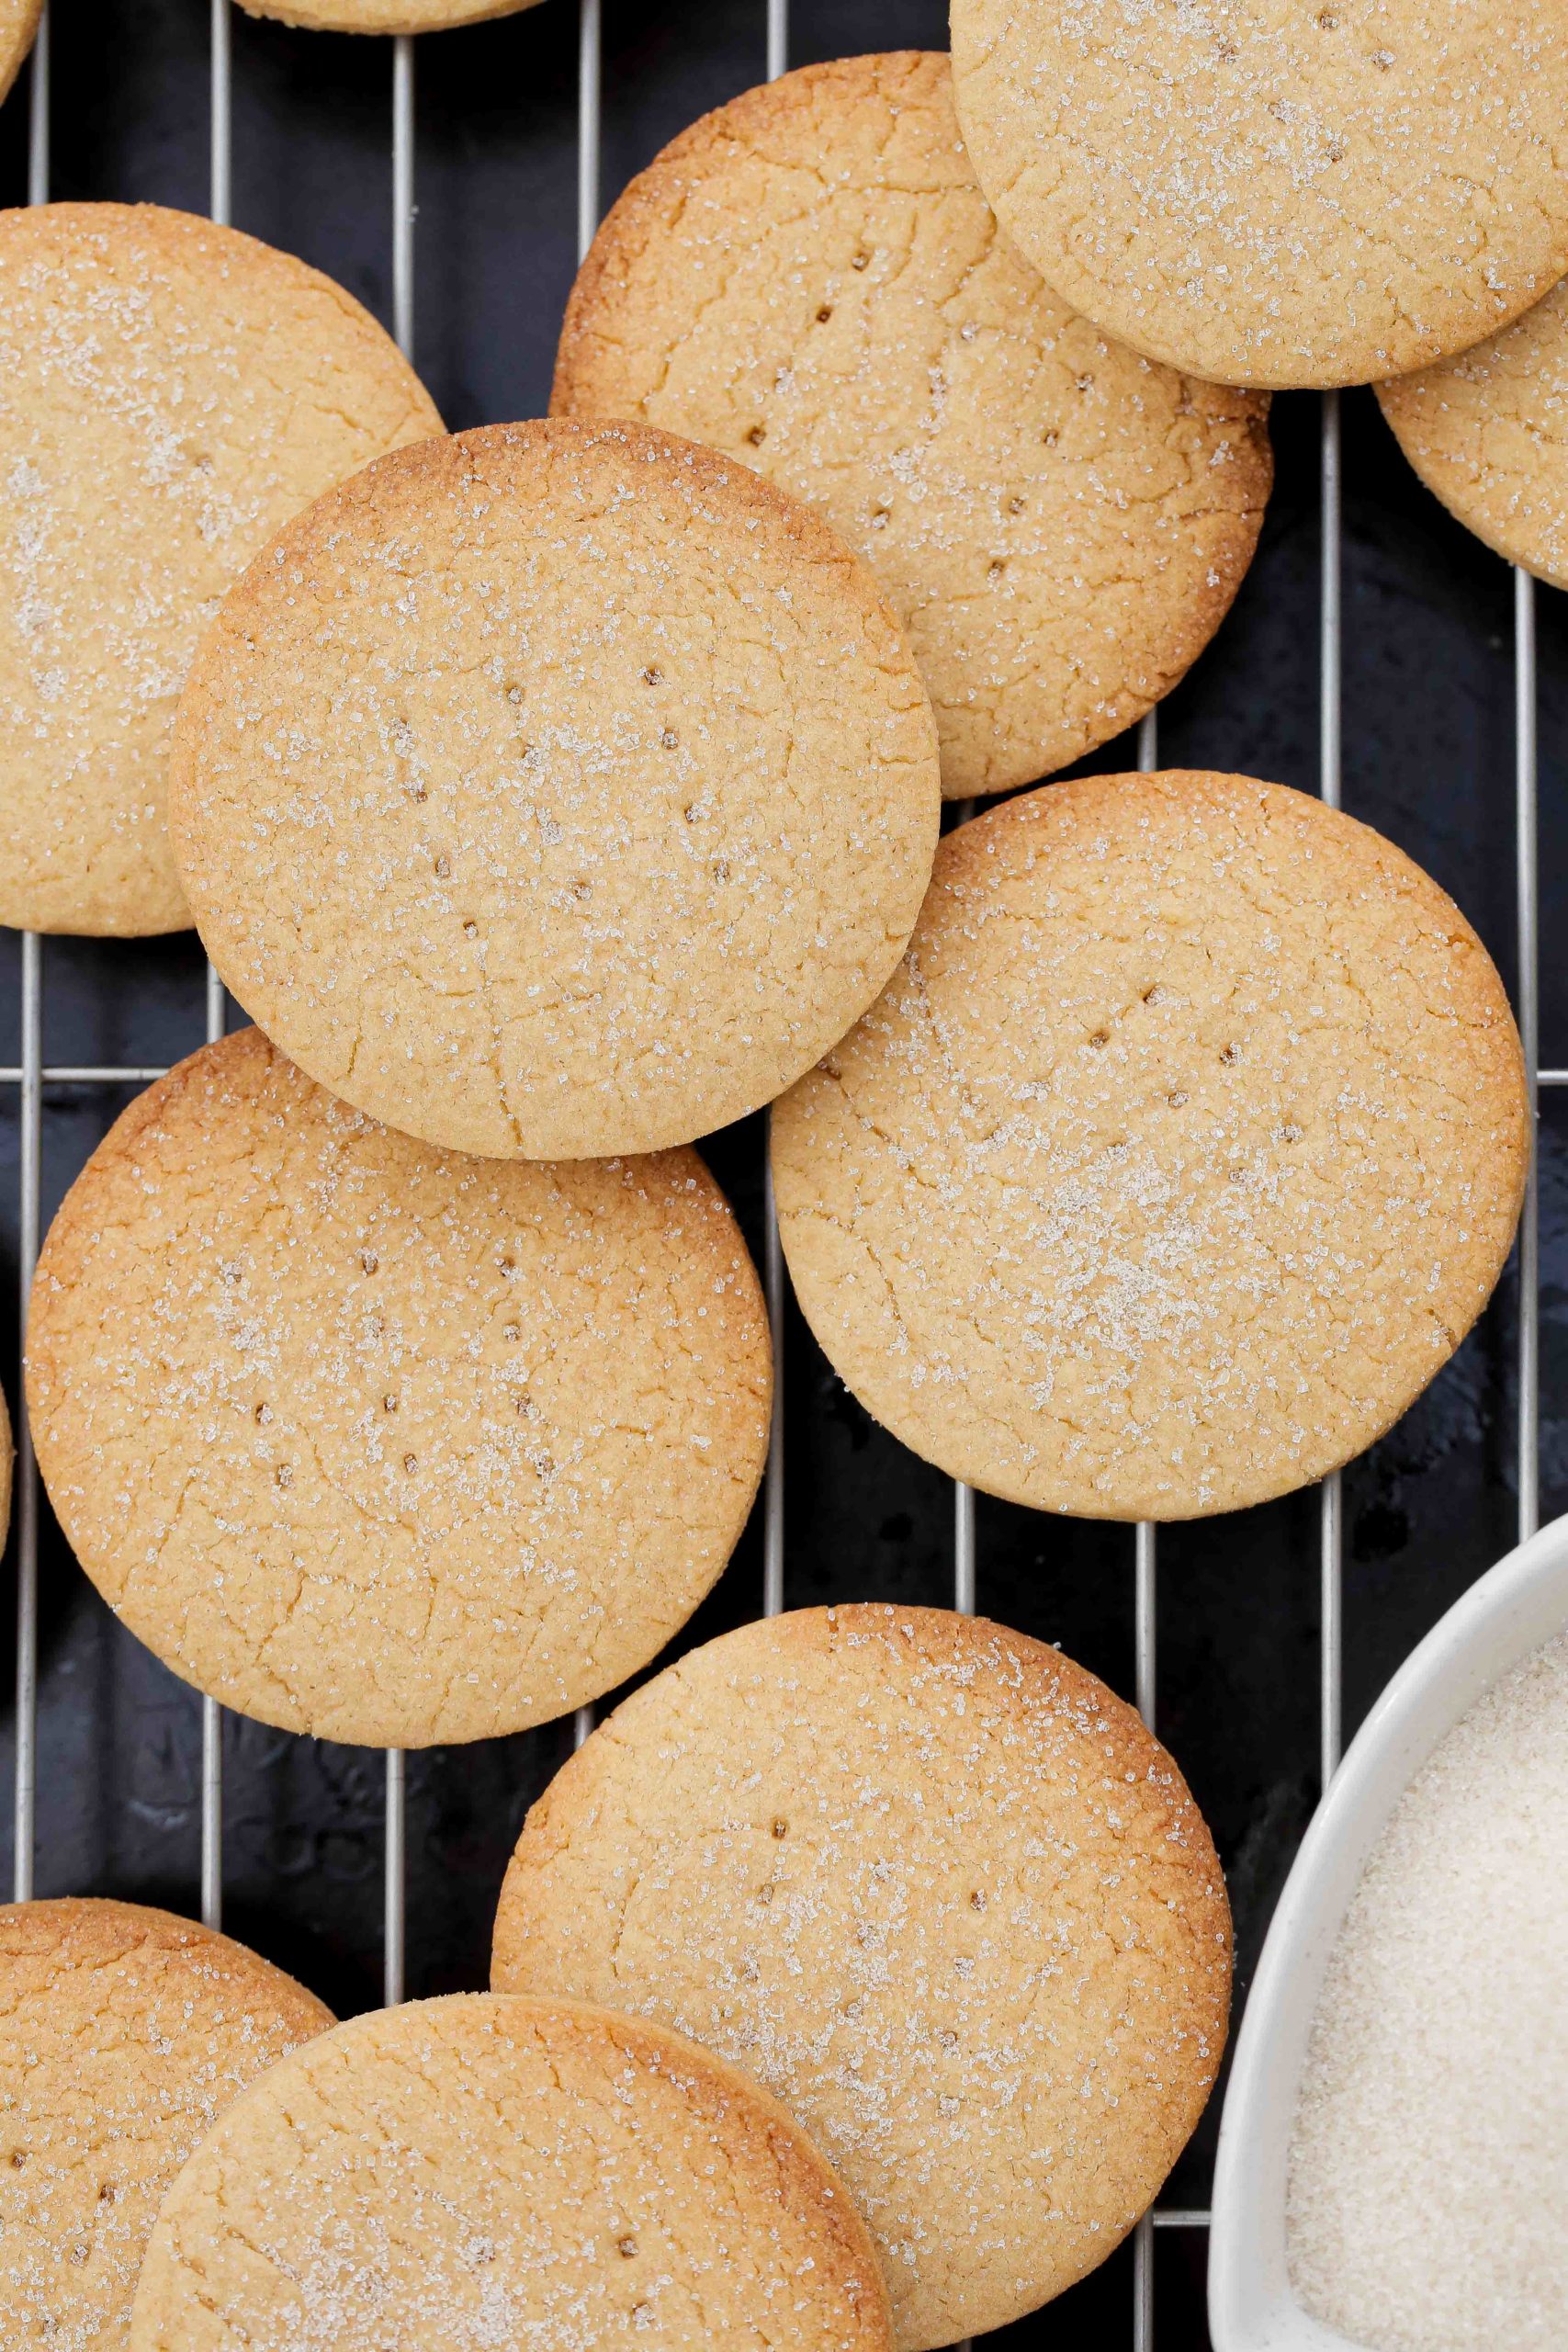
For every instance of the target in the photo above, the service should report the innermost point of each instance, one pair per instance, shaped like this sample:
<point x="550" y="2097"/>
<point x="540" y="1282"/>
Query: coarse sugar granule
<point x="1428" y="2171"/>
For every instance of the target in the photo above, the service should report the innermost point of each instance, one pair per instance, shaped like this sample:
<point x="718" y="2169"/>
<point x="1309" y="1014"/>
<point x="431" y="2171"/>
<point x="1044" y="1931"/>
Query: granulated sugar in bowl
<point x="1429" y="2165"/>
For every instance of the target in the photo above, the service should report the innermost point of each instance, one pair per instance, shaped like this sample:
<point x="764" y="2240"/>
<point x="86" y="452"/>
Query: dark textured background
<point x="1429" y="758"/>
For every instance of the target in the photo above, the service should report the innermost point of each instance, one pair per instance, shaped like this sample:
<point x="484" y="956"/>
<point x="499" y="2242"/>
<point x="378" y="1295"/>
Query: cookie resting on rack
<point x="1276" y="192"/>
<point x="941" y="1893"/>
<point x="170" y="393"/>
<point x="124" y="2034"/>
<point x="1060" y="524"/>
<point x="556" y="790"/>
<point x="478" y="2174"/>
<point x="1488" y="433"/>
<point x="1184" y="1148"/>
<point x="383" y="16"/>
<point x="376" y="1442"/>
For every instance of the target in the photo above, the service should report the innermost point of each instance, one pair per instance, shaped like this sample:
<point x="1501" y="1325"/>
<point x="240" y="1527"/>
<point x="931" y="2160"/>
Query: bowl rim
<point x="1508" y="1612"/>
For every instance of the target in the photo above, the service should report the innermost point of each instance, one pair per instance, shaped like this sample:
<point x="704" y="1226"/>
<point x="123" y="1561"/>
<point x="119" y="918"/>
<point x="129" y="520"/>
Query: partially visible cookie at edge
<point x="1060" y="524"/>
<point x="940" y="1891"/>
<point x="1182" y="1151"/>
<point x="384" y="15"/>
<point x="492" y="2171"/>
<point x="1488" y="433"/>
<point x="171" y="392"/>
<point x="556" y="790"/>
<point x="1327" y="192"/>
<point x="7" y="1468"/>
<point x="18" y="30"/>
<point x="124" y="2034"/>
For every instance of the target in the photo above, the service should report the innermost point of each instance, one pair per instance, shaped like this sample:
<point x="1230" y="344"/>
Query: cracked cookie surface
<point x="377" y="1442"/>
<point x="1488" y="433"/>
<point x="1277" y="192"/>
<point x="940" y="1891"/>
<point x="124" y="2034"/>
<point x="556" y="790"/>
<point x="1181" y="1152"/>
<point x="1060" y="524"/>
<point x="170" y="393"/>
<point x="477" y="2173"/>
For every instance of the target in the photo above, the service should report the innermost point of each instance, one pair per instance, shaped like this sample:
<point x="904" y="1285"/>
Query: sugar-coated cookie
<point x="18" y="27"/>
<point x="940" y="1891"/>
<point x="556" y="790"/>
<point x="381" y="1442"/>
<point x="1182" y="1151"/>
<point x="124" y="2034"/>
<point x="170" y="392"/>
<point x="1488" y="432"/>
<point x="1060" y="524"/>
<point x="383" y="16"/>
<point x="1276" y="192"/>
<point x="482" y="2172"/>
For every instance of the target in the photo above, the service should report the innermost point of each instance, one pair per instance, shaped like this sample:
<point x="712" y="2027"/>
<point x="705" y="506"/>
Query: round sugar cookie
<point x="124" y="2034"/>
<point x="18" y="28"/>
<point x="477" y="2171"/>
<point x="170" y="392"/>
<point x="935" y="1887"/>
<point x="556" y="790"/>
<point x="383" y="16"/>
<point x="375" y="1442"/>
<point x="1060" y="524"/>
<point x="1183" y="1150"/>
<point x="1277" y="192"/>
<point x="1488" y="433"/>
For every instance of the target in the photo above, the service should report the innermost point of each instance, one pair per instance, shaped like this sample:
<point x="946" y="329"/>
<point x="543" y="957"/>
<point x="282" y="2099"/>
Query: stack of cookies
<point x="553" y="794"/>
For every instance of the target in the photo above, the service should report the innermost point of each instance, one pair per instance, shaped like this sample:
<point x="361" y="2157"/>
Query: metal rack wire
<point x="32" y="1077"/>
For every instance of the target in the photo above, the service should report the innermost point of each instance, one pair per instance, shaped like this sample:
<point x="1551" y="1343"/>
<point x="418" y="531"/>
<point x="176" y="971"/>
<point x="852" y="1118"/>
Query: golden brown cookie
<point x="18" y="26"/>
<point x="481" y="2172"/>
<point x="556" y="790"/>
<point x="124" y="2034"/>
<point x="383" y="16"/>
<point x="1295" y="193"/>
<point x="8" y="1468"/>
<point x="941" y="1893"/>
<point x="376" y="1442"/>
<point x="1488" y="432"/>
<point x="170" y="392"/>
<point x="1060" y="525"/>
<point x="1183" y="1150"/>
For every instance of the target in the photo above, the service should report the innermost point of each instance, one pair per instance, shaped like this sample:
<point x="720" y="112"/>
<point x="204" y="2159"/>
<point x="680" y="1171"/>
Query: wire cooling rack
<point x="939" y="1551"/>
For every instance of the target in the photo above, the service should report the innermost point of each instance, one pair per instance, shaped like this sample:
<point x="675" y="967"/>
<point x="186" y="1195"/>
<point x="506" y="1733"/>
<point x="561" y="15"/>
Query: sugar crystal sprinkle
<point x="1429" y="2162"/>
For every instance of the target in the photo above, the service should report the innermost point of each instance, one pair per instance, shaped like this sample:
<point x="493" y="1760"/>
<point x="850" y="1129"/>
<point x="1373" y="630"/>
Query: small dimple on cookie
<point x="682" y="638"/>
<point x="1060" y="524"/>
<point x="475" y="2174"/>
<point x="941" y="1893"/>
<point x="375" y="1442"/>
<point x="1185" y="1147"/>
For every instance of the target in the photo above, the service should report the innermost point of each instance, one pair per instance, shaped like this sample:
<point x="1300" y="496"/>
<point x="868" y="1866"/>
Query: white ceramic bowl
<point x="1512" y="1610"/>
